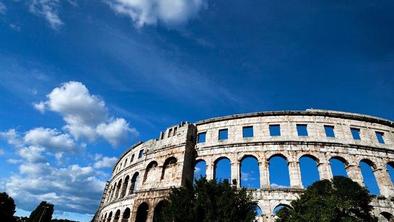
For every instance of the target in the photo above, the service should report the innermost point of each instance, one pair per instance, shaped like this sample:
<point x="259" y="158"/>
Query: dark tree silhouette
<point x="208" y="201"/>
<point x="327" y="201"/>
<point x="7" y="208"/>
<point x="43" y="213"/>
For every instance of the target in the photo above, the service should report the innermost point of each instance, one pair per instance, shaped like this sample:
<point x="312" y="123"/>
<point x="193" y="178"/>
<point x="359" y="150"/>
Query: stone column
<point x="324" y="170"/>
<point x="295" y="174"/>
<point x="150" y="213"/>
<point x="235" y="172"/>
<point x="210" y="170"/>
<point x="384" y="182"/>
<point x="264" y="175"/>
<point x="354" y="173"/>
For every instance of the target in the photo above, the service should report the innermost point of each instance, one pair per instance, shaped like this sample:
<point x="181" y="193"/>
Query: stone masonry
<point x="144" y="174"/>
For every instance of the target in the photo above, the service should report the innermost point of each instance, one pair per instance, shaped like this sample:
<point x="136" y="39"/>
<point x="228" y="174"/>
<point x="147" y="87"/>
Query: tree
<point x="7" y="208"/>
<point x="338" y="200"/>
<point x="43" y="213"/>
<point x="208" y="201"/>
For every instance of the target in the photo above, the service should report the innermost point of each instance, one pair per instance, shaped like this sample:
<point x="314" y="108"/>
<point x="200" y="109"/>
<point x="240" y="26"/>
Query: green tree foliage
<point x="43" y="213"/>
<point x="208" y="201"/>
<point x="327" y="201"/>
<point x="7" y="208"/>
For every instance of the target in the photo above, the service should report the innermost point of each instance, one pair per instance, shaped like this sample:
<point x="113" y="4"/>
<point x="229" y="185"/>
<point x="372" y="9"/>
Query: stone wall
<point x="169" y="160"/>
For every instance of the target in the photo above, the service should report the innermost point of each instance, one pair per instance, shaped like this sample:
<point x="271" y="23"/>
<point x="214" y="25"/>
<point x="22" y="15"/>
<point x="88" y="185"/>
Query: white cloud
<point x="32" y="153"/>
<point x="116" y="131"/>
<point x="50" y="139"/>
<point x="47" y="9"/>
<point x="86" y="115"/>
<point x="153" y="11"/>
<point x="39" y="106"/>
<point x="105" y="162"/>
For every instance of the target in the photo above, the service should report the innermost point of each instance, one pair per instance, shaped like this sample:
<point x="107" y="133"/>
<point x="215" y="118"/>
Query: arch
<point x="367" y="168"/>
<point x="109" y="217"/>
<point x="309" y="170"/>
<point x="126" y="215"/>
<point x="338" y="166"/>
<point x="152" y="166"/>
<point x="142" y="212"/>
<point x="278" y="171"/>
<point x="169" y="167"/>
<point x="158" y="210"/>
<point x="117" y="216"/>
<point x="280" y="207"/>
<point x="134" y="183"/>
<point x="104" y="217"/>
<point x="124" y="187"/>
<point x="222" y="170"/>
<point x="200" y="169"/>
<point x="118" y="189"/>
<point x="250" y="172"/>
<point x="388" y="216"/>
<point x="258" y="212"/>
<point x="390" y="171"/>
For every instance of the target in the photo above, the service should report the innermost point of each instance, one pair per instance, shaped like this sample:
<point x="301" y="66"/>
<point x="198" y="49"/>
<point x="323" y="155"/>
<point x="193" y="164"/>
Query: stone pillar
<point x="264" y="175"/>
<point x="210" y="170"/>
<point x="354" y="173"/>
<point x="324" y="170"/>
<point x="384" y="182"/>
<point x="150" y="213"/>
<point x="295" y="174"/>
<point x="235" y="172"/>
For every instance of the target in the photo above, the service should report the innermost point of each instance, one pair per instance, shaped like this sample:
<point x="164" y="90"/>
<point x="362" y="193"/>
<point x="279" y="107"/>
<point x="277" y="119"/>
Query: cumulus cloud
<point x="47" y="9"/>
<point x="49" y="138"/>
<point x="105" y="162"/>
<point x="150" y="12"/>
<point x="86" y="115"/>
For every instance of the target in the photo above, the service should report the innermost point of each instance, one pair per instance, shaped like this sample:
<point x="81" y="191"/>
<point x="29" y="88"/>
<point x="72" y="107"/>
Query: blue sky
<point x="153" y="64"/>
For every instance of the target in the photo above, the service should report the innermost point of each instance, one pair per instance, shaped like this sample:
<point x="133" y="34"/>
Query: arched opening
<point x="142" y="212"/>
<point x="338" y="166"/>
<point x="109" y="217"/>
<point x="258" y="212"/>
<point x="169" y="168"/>
<point x="124" y="187"/>
<point x="279" y="207"/>
<point x="126" y="215"/>
<point x="109" y="193"/>
<point x="250" y="173"/>
<point x="157" y="213"/>
<point x="117" y="216"/>
<point x="309" y="171"/>
<point x="200" y="169"/>
<point x="118" y="189"/>
<point x="104" y="219"/>
<point x="367" y="171"/>
<point x="387" y="217"/>
<point x="279" y="171"/>
<point x="134" y="183"/>
<point x="222" y="169"/>
<point x="150" y="172"/>
<point x="390" y="170"/>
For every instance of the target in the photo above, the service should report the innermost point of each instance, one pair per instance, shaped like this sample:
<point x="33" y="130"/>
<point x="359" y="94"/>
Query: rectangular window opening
<point x="302" y="130"/>
<point x="201" y="137"/>
<point x="329" y="131"/>
<point x="223" y="134"/>
<point x="140" y="154"/>
<point x="380" y="137"/>
<point x="247" y="131"/>
<point x="355" y="133"/>
<point x="274" y="130"/>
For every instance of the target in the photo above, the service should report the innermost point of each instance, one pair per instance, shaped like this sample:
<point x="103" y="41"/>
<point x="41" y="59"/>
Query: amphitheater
<point x="143" y="175"/>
